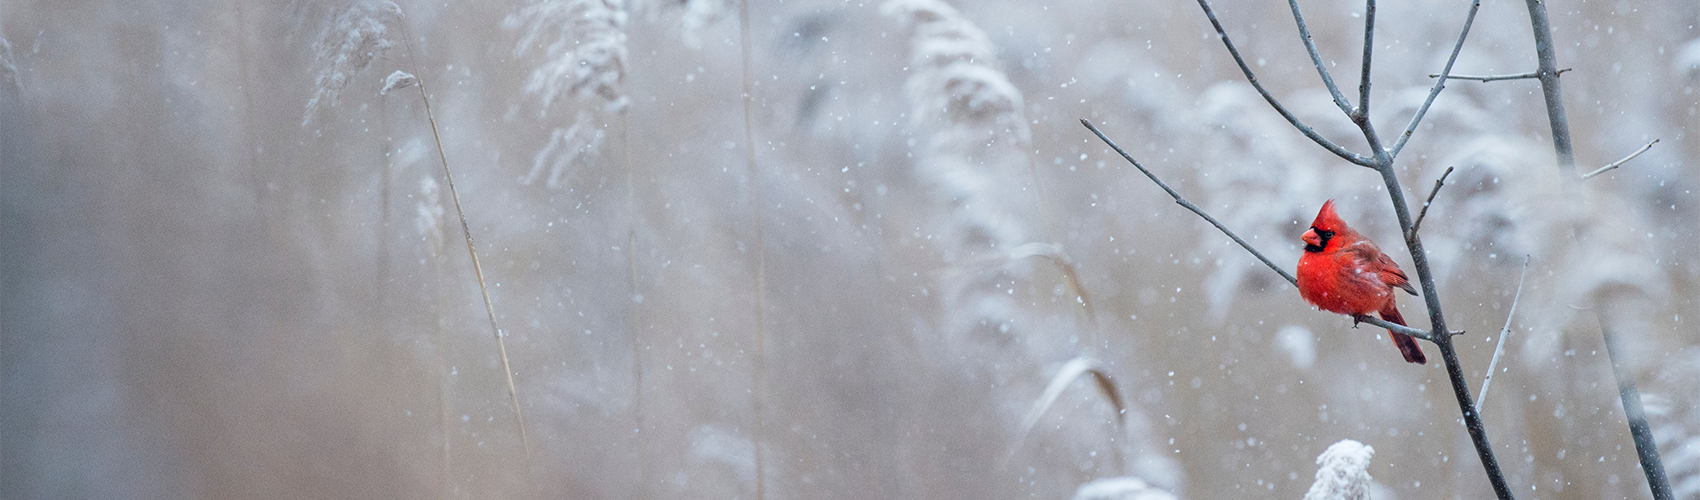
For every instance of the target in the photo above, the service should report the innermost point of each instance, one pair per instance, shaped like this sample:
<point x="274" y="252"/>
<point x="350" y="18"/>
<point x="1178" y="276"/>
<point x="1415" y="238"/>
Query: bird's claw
<point x="1358" y="318"/>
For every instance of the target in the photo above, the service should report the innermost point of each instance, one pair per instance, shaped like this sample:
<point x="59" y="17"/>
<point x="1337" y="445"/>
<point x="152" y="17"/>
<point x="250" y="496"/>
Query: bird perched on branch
<point x="1343" y="272"/>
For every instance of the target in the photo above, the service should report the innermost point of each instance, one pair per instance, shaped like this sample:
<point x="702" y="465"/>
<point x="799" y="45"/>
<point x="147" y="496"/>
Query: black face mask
<point x="1321" y="235"/>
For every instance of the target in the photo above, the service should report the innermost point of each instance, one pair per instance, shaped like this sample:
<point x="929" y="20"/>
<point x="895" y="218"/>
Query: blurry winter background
<point x="233" y="269"/>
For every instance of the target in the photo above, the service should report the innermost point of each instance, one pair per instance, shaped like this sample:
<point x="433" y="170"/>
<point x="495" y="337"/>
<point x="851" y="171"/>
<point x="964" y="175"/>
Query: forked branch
<point x="1179" y="200"/>
<point x="1251" y="77"/>
<point x="1440" y="84"/>
<point x="1382" y="160"/>
<point x="1316" y="60"/>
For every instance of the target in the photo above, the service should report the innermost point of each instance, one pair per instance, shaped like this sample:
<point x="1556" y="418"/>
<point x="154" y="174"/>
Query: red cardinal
<point x="1343" y="272"/>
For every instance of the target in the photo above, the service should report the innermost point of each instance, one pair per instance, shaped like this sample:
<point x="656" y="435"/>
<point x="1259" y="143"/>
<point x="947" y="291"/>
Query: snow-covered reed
<point x="8" y="68"/>
<point x="579" y="143"/>
<point x="968" y="120"/>
<point x="346" y="46"/>
<point x="584" y="47"/>
<point x="1342" y="472"/>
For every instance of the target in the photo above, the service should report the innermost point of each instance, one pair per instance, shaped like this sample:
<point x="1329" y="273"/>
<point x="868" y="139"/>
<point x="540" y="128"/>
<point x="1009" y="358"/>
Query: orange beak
<point x="1310" y="238"/>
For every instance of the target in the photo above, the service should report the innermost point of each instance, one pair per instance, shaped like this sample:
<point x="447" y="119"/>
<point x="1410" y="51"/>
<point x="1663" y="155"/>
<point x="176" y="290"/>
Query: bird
<point x="1343" y="272"/>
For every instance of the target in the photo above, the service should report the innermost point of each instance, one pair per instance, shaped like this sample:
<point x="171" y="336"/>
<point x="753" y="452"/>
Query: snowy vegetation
<point x="233" y="267"/>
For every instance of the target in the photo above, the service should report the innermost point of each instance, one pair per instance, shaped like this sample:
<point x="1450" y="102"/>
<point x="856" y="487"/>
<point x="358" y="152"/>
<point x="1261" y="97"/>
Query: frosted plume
<point x="1342" y="473"/>
<point x="428" y="215"/>
<point x="969" y="117"/>
<point x="584" y="46"/>
<point x="355" y="36"/>
<point x="567" y="146"/>
<point x="698" y="16"/>
<point x="8" y="69"/>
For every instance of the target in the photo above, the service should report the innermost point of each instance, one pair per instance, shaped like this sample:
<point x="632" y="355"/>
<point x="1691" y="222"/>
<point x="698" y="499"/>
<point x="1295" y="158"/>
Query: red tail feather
<point x="1407" y="344"/>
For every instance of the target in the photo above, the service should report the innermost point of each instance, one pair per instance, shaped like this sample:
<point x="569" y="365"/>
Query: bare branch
<point x="1440" y="84"/>
<point x="1552" y="92"/>
<point x="1397" y="328"/>
<point x="1361" y="117"/>
<point x="1250" y="77"/>
<point x="1430" y="201"/>
<point x="1495" y="78"/>
<point x="1618" y="163"/>
<point x="1503" y="332"/>
<point x="1646" y="446"/>
<point x="1189" y="206"/>
<point x="1316" y="59"/>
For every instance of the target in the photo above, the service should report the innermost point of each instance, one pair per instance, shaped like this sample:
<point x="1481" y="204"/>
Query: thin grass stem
<point x="758" y="389"/>
<point x="477" y="269"/>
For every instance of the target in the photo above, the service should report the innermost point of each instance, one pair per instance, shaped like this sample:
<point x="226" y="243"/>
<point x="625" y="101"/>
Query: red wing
<point x="1366" y="253"/>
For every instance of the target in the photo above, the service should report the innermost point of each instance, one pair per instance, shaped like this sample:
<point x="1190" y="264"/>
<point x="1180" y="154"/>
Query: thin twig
<point x="477" y="269"/>
<point x="758" y="388"/>
<point x="1250" y="77"/>
<point x="1429" y="202"/>
<point x="1361" y="115"/>
<point x="1316" y="59"/>
<point x="1495" y="78"/>
<point x="1499" y="350"/>
<point x="1189" y="206"/>
<point x="1618" y="163"/>
<point x="1445" y="73"/>
<point x="1398" y="328"/>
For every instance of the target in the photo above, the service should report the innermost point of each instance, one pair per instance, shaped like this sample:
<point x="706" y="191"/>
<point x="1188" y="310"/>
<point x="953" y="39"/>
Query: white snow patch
<point x="1120" y="488"/>
<point x="1342" y="474"/>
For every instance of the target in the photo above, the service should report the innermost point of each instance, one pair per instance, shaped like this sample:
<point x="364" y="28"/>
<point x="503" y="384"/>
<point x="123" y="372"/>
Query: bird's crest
<point x="1327" y="220"/>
